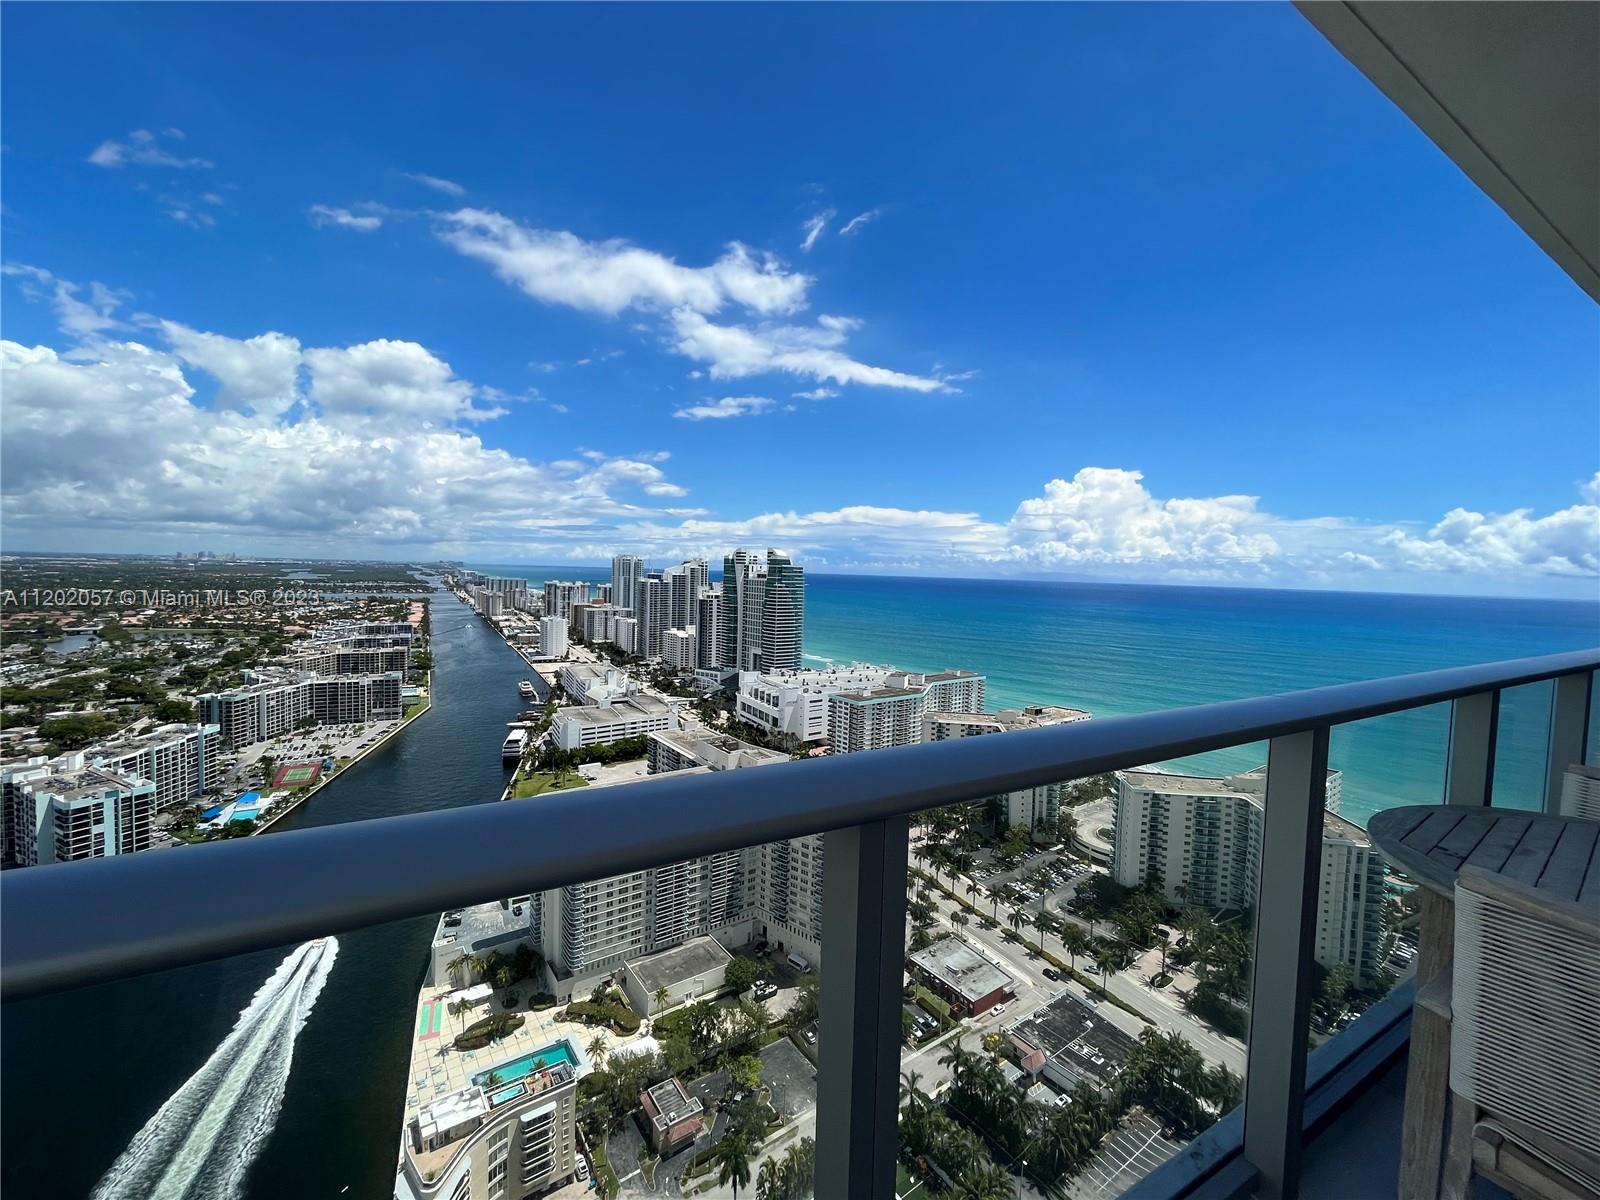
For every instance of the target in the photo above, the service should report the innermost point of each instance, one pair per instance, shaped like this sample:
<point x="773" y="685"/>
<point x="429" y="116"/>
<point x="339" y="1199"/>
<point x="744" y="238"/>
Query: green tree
<point x="740" y="974"/>
<point x="1106" y="960"/>
<point x="734" y="1164"/>
<point x="660" y="996"/>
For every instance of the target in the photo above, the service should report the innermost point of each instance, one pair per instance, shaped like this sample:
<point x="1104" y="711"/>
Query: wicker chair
<point x="1524" y="1042"/>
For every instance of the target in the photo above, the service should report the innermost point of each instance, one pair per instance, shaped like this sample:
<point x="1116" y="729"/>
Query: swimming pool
<point x="517" y="1068"/>
<point x="504" y="1094"/>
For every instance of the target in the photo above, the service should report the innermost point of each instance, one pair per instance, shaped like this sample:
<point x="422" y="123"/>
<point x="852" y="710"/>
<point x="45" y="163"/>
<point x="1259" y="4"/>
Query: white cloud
<point x="860" y="221"/>
<point x="737" y="351"/>
<point x="323" y="215"/>
<point x="374" y="447"/>
<point x="614" y="276"/>
<point x="818" y="393"/>
<point x="143" y="149"/>
<point x="609" y="277"/>
<point x="447" y="186"/>
<point x="259" y="374"/>
<point x="1566" y="542"/>
<point x="813" y="227"/>
<point x="726" y="407"/>
<point x="79" y="317"/>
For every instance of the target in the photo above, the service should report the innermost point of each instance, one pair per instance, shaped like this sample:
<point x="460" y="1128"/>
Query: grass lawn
<point x="415" y="707"/>
<point x="545" y="781"/>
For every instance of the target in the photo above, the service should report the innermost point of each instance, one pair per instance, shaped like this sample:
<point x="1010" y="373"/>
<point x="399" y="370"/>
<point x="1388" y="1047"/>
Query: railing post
<point x="1474" y="729"/>
<point x="1569" y="731"/>
<point x="863" y="962"/>
<point x="1280" y="999"/>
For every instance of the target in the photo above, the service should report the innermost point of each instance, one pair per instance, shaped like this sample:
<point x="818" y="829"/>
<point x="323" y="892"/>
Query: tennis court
<point x="297" y="774"/>
<point x="429" y="1018"/>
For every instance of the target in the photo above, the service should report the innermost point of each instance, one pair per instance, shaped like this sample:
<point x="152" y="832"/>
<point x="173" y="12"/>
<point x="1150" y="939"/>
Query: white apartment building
<point x="626" y="634"/>
<point x="508" y="1137"/>
<point x="71" y="815"/>
<point x="626" y="571"/>
<point x="600" y="622"/>
<point x="552" y="637"/>
<point x="678" y="648"/>
<point x="270" y="704"/>
<point x="944" y="691"/>
<point x="769" y="891"/>
<point x="257" y="711"/>
<point x="876" y="719"/>
<point x="796" y="702"/>
<point x="181" y="760"/>
<point x="629" y="716"/>
<point x="1030" y="808"/>
<point x="588" y="683"/>
<point x="560" y="595"/>
<point x="1200" y="839"/>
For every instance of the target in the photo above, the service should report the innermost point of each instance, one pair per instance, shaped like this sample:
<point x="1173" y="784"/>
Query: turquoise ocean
<point x="1123" y="648"/>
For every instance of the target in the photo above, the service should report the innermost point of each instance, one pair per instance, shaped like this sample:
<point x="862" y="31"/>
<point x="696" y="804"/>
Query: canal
<point x="85" y="1071"/>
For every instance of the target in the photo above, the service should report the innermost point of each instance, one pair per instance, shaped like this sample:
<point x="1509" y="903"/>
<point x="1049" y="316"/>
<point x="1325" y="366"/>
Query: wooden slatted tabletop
<point x="1431" y="843"/>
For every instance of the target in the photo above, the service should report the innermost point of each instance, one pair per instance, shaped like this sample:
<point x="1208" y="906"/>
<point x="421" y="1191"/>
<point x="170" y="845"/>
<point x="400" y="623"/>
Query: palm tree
<point x="768" y="1182"/>
<point x="1075" y="941"/>
<point x="1017" y="919"/>
<point x="1043" y="922"/>
<point x="910" y="1092"/>
<point x="960" y="919"/>
<point x="735" y="1164"/>
<point x="660" y="997"/>
<point x="1106" y="959"/>
<point x="984" y="1182"/>
<point x="1166" y="945"/>
<point x="597" y="1051"/>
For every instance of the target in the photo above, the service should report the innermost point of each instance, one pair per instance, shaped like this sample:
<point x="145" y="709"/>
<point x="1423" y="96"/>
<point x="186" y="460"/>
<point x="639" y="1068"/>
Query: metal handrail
<point x="75" y="924"/>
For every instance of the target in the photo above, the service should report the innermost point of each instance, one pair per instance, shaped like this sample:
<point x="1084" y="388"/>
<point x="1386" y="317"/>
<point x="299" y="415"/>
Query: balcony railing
<point x="91" y="922"/>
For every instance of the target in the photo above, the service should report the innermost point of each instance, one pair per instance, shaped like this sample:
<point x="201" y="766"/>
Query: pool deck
<point x="437" y="1068"/>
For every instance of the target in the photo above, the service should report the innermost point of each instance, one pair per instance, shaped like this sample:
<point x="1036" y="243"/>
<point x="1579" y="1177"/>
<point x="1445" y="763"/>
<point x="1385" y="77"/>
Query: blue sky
<point x="1135" y="292"/>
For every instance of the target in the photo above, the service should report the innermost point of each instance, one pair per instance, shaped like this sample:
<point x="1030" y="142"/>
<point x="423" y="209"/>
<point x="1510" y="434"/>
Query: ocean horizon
<point x="1122" y="648"/>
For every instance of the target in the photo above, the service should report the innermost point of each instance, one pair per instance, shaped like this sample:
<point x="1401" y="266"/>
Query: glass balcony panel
<point x="696" y="986"/>
<point x="1367" y="918"/>
<point x="1091" y="1059"/>
<point x="1523" y="746"/>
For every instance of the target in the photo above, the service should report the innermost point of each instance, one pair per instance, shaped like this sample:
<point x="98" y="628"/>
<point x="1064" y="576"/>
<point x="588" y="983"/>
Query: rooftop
<point x="483" y="925"/>
<point x="1033" y="717"/>
<point x="627" y="708"/>
<point x="1069" y="1030"/>
<point x="667" y="967"/>
<point x="961" y="968"/>
<point x="671" y="1104"/>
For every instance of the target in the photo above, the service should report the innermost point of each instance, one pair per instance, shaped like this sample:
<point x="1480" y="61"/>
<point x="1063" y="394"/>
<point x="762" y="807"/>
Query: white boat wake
<point x="203" y="1139"/>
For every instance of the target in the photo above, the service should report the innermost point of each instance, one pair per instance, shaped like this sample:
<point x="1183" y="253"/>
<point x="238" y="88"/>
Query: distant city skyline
<point x="1176" y="299"/>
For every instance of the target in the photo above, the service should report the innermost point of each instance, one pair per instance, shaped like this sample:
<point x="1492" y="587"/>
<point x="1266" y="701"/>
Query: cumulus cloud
<point x="813" y="227"/>
<point x="859" y="222"/>
<point x="144" y="149"/>
<point x="376" y="445"/>
<point x="370" y="445"/>
<point x="1560" y="543"/>
<point x="324" y="215"/>
<point x="448" y="186"/>
<point x="725" y="408"/>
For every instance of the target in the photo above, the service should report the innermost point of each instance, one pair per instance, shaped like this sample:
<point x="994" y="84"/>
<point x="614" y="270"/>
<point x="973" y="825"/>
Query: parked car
<point x="810" y="1035"/>
<point x="1051" y="973"/>
<point x="583" y="1168"/>
<point x="998" y="1009"/>
<point x="766" y="989"/>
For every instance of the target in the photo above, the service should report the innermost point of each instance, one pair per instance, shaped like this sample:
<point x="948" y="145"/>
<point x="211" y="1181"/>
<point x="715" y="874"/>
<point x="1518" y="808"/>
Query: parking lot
<point x="1128" y="1155"/>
